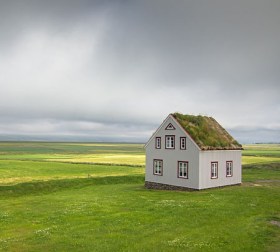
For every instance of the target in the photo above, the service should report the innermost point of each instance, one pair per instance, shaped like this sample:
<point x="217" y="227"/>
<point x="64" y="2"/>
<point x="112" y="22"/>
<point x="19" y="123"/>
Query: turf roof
<point x="207" y="132"/>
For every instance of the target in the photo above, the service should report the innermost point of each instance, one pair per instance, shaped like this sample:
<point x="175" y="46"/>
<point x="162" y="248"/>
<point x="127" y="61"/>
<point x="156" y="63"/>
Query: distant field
<point x="46" y="161"/>
<point x="90" y="197"/>
<point x="111" y="153"/>
<point x="128" y="154"/>
<point x="260" y="153"/>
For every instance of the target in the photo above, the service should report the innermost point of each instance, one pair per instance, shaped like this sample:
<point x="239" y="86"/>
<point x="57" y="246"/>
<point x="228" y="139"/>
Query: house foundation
<point x="159" y="186"/>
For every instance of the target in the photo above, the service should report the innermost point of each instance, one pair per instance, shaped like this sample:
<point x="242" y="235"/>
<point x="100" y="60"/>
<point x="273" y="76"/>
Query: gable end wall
<point x="170" y="158"/>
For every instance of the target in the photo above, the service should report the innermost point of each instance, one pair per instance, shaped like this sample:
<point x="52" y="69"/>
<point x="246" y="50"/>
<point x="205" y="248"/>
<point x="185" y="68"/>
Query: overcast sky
<point x="114" y="69"/>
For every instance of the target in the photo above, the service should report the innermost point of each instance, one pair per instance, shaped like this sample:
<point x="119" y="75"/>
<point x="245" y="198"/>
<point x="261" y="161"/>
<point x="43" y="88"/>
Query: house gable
<point x="178" y="159"/>
<point x="166" y="125"/>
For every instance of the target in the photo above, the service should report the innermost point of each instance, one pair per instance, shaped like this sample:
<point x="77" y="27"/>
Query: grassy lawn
<point x="70" y="206"/>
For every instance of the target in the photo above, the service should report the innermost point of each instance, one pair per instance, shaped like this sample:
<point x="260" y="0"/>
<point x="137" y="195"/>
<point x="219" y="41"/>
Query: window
<point x="183" y="169"/>
<point x="170" y="142"/>
<point x="229" y="168"/>
<point x="158" y="142"/>
<point x="214" y="170"/>
<point x="182" y="143"/>
<point x="157" y="167"/>
<point x="170" y="127"/>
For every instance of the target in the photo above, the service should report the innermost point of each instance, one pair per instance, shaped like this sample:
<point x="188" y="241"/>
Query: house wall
<point x="171" y="157"/>
<point x="220" y="156"/>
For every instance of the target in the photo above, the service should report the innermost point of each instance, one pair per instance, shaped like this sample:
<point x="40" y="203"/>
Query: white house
<point x="192" y="152"/>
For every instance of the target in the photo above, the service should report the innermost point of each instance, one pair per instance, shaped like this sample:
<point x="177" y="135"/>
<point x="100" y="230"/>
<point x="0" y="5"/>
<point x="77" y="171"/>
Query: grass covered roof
<point x="207" y="132"/>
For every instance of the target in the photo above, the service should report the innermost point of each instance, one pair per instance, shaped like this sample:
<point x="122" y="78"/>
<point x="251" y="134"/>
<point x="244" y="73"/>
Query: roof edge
<point x="158" y="128"/>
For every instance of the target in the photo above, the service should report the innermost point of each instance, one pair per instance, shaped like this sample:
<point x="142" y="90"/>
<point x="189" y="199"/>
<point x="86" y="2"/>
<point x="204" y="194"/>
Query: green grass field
<point x="91" y="197"/>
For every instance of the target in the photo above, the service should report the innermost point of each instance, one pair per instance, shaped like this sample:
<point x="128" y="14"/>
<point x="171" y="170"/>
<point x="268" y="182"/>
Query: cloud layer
<point x="115" y="69"/>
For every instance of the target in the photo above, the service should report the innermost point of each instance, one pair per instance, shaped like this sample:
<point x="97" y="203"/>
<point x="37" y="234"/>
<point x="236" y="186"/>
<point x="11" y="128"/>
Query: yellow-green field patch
<point x="127" y="159"/>
<point x="254" y="160"/>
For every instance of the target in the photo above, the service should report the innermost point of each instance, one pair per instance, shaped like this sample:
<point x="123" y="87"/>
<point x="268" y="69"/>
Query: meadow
<point x="91" y="197"/>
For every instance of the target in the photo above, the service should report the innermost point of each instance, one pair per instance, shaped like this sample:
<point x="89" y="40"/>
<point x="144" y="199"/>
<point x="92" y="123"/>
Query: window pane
<point x="214" y="170"/>
<point x="183" y="143"/>
<point x="158" y="167"/>
<point x="170" y="142"/>
<point x="229" y="168"/>
<point x="182" y="169"/>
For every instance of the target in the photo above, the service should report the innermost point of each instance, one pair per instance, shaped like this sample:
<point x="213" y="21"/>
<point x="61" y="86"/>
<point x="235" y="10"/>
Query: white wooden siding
<point x="220" y="156"/>
<point x="171" y="157"/>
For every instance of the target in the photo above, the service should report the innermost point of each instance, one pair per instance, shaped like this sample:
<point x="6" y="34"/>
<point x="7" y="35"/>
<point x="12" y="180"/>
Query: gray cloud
<point x="125" y="65"/>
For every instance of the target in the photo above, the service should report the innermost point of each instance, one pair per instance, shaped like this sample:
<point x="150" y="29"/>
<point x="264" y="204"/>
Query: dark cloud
<point x="125" y="65"/>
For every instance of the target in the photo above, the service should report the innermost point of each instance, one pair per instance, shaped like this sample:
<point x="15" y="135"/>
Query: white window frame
<point x="158" y="167"/>
<point x="183" y="169"/>
<point x="183" y="143"/>
<point x="214" y="170"/>
<point x="229" y="168"/>
<point x="158" y="142"/>
<point x="169" y="142"/>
